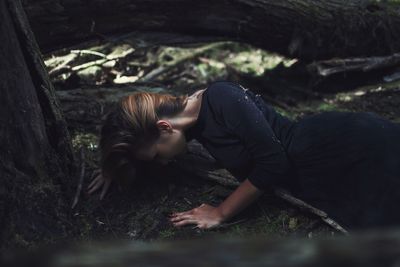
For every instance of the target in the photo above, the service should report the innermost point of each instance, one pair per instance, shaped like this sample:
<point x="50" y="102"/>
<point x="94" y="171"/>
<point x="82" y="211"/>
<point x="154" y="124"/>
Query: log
<point x="36" y="159"/>
<point x="362" y="249"/>
<point x="334" y="66"/>
<point x="304" y="29"/>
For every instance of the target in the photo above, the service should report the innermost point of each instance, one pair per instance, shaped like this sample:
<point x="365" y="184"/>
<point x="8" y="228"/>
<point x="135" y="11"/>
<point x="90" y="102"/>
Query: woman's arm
<point x="235" y="110"/>
<point x="238" y="114"/>
<point x="207" y="216"/>
<point x="244" y="194"/>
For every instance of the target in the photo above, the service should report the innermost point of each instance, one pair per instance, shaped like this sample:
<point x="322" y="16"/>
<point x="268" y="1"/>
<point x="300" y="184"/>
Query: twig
<point x="187" y="200"/>
<point x="209" y="190"/>
<point x="299" y="203"/>
<point x="153" y="74"/>
<point x="79" y="52"/>
<point x="63" y="67"/>
<point x="108" y="221"/>
<point x="103" y="60"/>
<point x="82" y="175"/>
<point x="334" y="225"/>
<point x="265" y="213"/>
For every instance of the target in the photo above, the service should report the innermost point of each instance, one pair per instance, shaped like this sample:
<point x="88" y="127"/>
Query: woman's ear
<point x="164" y="125"/>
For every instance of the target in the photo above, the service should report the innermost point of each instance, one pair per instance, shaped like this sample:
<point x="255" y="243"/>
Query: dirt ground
<point x="141" y="211"/>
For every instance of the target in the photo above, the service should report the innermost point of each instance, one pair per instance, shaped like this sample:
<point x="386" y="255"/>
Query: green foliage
<point x="87" y="140"/>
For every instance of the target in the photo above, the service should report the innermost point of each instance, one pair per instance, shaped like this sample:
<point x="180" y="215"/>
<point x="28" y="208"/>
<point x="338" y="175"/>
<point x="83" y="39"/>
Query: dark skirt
<point x="348" y="165"/>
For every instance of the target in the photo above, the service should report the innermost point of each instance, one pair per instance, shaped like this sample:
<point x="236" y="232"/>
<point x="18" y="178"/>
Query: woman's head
<point x="139" y="129"/>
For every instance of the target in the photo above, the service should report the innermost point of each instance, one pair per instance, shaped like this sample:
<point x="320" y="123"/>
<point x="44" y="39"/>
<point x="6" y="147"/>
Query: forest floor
<point x="141" y="213"/>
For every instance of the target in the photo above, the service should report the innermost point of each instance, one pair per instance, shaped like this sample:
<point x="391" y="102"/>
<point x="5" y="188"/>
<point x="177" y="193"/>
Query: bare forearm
<point x="243" y="195"/>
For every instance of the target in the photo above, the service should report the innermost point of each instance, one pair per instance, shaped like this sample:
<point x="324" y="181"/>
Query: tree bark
<point x="305" y="29"/>
<point x="36" y="156"/>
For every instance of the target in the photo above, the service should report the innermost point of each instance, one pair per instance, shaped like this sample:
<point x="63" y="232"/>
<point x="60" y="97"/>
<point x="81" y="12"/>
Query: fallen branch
<point x="167" y="66"/>
<point x="89" y="52"/>
<point x="333" y="66"/>
<point x="102" y="61"/>
<point x="63" y="67"/>
<point x="66" y="67"/>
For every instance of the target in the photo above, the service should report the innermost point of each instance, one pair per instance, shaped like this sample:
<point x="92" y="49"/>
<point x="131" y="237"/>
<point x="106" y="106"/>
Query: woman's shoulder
<point x="224" y="91"/>
<point x="224" y="85"/>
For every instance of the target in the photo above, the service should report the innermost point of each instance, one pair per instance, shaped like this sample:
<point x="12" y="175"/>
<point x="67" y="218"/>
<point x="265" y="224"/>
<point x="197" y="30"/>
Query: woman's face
<point x="171" y="142"/>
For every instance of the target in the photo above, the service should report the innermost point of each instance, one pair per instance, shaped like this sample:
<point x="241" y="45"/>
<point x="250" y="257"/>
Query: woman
<point x="344" y="163"/>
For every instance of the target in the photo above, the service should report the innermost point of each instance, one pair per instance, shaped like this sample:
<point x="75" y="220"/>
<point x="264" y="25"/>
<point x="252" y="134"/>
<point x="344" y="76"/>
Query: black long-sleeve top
<point x="344" y="163"/>
<point x="244" y="134"/>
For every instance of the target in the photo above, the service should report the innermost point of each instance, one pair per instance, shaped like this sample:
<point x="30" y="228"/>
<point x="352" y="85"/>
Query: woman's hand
<point x="99" y="181"/>
<point x="205" y="216"/>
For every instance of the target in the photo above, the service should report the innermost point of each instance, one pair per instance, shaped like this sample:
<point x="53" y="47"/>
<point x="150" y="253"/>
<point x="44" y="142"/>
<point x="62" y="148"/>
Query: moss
<point x="293" y="223"/>
<point x="87" y="140"/>
<point x="256" y="62"/>
<point x="167" y="233"/>
<point x="326" y="107"/>
<point x="20" y="241"/>
<point x="85" y="228"/>
<point x="286" y="113"/>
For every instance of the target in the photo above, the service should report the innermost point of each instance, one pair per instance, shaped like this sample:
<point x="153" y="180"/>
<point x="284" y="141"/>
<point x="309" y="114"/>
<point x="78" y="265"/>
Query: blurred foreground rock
<point x="377" y="248"/>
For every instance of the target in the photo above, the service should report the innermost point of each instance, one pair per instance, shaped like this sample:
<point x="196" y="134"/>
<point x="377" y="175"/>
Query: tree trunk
<point x="305" y="29"/>
<point x="36" y="156"/>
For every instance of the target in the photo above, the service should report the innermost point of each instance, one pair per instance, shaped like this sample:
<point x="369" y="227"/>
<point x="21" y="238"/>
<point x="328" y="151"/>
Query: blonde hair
<point x="130" y="125"/>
